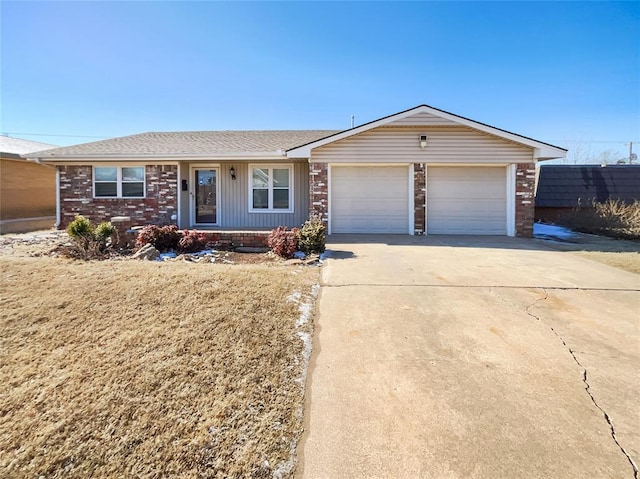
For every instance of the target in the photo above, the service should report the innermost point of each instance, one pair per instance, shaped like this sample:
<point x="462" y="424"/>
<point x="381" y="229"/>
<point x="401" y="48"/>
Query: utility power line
<point x="8" y="133"/>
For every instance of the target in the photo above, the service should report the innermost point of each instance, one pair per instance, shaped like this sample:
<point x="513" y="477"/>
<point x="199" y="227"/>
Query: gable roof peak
<point x="542" y="150"/>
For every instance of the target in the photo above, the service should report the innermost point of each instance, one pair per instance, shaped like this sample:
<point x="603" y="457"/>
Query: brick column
<point x="419" y="193"/>
<point x="123" y="239"/>
<point x="525" y="208"/>
<point x="319" y="191"/>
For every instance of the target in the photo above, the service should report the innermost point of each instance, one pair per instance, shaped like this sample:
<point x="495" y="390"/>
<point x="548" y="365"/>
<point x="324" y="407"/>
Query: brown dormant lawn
<point x="138" y="369"/>
<point x="623" y="254"/>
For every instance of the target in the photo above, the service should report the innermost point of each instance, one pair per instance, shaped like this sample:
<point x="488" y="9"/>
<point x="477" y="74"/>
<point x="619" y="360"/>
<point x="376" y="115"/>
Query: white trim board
<point x="511" y="200"/>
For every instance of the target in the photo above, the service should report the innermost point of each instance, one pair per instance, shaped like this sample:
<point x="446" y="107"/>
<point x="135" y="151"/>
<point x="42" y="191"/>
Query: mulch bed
<point x="53" y="243"/>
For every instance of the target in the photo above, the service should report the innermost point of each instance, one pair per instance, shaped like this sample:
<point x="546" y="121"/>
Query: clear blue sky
<point x="565" y="73"/>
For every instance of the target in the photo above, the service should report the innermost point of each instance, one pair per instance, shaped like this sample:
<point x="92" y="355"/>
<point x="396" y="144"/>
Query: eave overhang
<point x="140" y="158"/>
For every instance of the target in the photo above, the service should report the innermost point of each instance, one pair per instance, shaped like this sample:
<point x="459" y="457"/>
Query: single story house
<point x="563" y="187"/>
<point x="27" y="190"/>
<point x="420" y="171"/>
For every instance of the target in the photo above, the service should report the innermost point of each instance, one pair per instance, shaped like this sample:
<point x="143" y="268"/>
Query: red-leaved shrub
<point x="283" y="241"/>
<point x="192" y="241"/>
<point x="163" y="238"/>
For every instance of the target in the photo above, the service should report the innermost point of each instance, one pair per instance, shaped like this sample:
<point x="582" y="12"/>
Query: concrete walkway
<point x="471" y="357"/>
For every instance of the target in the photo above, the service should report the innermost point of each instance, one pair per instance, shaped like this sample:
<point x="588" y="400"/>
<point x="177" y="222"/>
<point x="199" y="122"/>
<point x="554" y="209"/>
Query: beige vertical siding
<point x="233" y="202"/>
<point x="401" y="145"/>
<point x="422" y="119"/>
<point x="26" y="190"/>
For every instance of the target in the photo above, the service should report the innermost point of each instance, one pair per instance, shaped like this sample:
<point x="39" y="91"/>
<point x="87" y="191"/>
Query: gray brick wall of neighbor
<point x="159" y="205"/>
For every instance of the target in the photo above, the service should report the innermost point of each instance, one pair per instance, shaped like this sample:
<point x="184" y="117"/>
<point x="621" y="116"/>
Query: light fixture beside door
<point x="232" y="171"/>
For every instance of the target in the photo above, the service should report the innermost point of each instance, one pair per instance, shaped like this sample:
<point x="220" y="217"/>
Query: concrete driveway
<point x="472" y="357"/>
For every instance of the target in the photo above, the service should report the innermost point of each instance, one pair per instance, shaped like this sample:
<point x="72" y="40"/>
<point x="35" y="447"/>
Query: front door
<point x="204" y="196"/>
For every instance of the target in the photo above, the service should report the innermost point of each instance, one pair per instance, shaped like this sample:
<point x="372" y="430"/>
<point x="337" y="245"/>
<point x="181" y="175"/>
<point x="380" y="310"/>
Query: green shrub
<point x="104" y="230"/>
<point x="80" y="227"/>
<point x="163" y="238"/>
<point x="312" y="236"/>
<point x="88" y="242"/>
<point x="283" y="241"/>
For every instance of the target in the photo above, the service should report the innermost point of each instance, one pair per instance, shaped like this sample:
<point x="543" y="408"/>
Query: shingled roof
<point x="14" y="147"/>
<point x="562" y="186"/>
<point x="190" y="143"/>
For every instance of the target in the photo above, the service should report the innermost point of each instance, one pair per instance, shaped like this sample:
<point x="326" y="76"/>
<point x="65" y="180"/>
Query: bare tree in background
<point x="583" y="153"/>
<point x="579" y="153"/>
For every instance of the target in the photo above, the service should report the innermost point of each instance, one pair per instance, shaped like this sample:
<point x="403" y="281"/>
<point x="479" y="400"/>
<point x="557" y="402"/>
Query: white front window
<point x="271" y="188"/>
<point x="118" y="182"/>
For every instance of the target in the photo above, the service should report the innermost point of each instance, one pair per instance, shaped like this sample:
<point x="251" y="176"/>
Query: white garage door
<point x="466" y="200"/>
<point x="370" y="199"/>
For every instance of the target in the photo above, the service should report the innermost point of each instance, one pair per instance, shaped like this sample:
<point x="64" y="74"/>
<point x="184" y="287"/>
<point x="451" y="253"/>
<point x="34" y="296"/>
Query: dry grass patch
<point x="623" y="254"/>
<point x="628" y="261"/>
<point x="127" y="369"/>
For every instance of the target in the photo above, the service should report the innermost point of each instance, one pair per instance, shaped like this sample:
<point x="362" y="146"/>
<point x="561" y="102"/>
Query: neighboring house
<point x="27" y="190"/>
<point x="563" y="187"/>
<point x="420" y="171"/>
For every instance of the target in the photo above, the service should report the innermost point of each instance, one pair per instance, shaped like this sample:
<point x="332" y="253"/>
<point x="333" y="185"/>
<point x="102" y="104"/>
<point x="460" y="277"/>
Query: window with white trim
<point x="118" y="182"/>
<point x="271" y="188"/>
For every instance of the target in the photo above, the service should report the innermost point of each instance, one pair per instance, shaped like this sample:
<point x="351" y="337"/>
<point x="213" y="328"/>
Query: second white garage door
<point x="370" y="199"/>
<point x="466" y="200"/>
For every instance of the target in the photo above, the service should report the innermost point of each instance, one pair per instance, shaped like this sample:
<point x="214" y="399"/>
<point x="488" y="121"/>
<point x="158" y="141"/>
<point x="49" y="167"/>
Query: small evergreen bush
<point x="163" y="238"/>
<point x="80" y="227"/>
<point x="312" y="236"/>
<point x="89" y="242"/>
<point x="192" y="241"/>
<point x="104" y="230"/>
<point x="283" y="241"/>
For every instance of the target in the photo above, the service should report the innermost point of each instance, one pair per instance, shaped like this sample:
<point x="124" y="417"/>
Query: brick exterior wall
<point x="231" y="239"/>
<point x="419" y="198"/>
<point x="160" y="203"/>
<point x="525" y="207"/>
<point x="126" y="237"/>
<point x="319" y="191"/>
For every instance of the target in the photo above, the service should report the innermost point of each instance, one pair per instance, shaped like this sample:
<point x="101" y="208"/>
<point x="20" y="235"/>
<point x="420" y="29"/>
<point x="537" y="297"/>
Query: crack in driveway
<point x="546" y="289"/>
<point x="585" y="381"/>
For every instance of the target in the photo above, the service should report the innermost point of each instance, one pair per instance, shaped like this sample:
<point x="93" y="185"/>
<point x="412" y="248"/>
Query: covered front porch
<point x="242" y="196"/>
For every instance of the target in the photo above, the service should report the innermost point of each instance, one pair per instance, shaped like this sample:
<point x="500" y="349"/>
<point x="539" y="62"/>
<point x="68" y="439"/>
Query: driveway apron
<point x="471" y="357"/>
